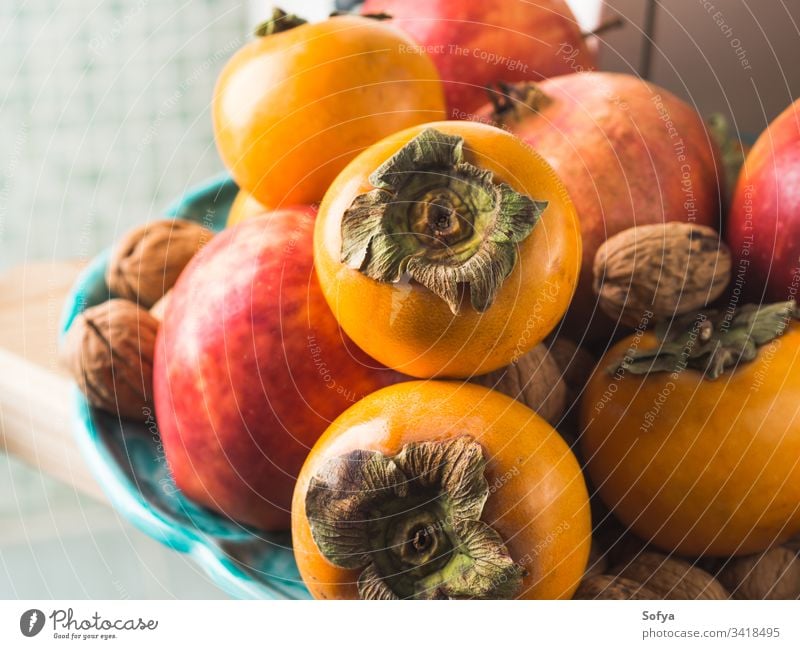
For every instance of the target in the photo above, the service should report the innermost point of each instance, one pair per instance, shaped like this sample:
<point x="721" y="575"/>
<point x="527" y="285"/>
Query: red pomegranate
<point x="478" y="43"/>
<point x="251" y="367"/>
<point x="763" y="227"/>
<point x="629" y="152"/>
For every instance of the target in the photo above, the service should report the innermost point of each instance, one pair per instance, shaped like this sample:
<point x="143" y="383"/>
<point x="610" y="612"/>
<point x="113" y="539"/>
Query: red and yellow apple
<point x="251" y="367"/>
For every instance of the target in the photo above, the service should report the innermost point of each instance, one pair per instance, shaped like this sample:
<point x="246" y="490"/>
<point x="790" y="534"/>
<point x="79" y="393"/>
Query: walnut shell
<point x="660" y="270"/>
<point x="616" y="543"/>
<point x="774" y="574"/>
<point x="535" y="380"/>
<point x="109" y="351"/>
<point x="598" y="561"/>
<point x="672" y="578"/>
<point x="576" y="366"/>
<point x="613" y="587"/>
<point x="146" y="262"/>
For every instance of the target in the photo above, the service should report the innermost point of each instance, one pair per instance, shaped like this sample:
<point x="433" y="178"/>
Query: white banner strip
<point x="404" y="625"/>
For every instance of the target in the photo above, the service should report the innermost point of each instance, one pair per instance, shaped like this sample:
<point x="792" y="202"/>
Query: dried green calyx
<point x="411" y="523"/>
<point x="438" y="220"/>
<point x="710" y="341"/>
<point x="278" y="22"/>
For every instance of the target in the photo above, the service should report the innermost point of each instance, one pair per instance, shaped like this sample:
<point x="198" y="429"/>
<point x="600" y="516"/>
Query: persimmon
<point x="439" y="489"/>
<point x="244" y="206"/>
<point x="448" y="249"/>
<point x="293" y="107"/>
<point x="691" y="434"/>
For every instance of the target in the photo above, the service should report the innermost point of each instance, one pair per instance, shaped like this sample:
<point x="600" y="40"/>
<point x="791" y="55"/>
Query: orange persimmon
<point x="437" y="489"/>
<point x="243" y="207"/>
<point x="692" y="434"/>
<point x="448" y="249"/>
<point x="293" y="107"/>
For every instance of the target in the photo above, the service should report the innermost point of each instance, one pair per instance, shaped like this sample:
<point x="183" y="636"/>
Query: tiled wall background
<point x="104" y="115"/>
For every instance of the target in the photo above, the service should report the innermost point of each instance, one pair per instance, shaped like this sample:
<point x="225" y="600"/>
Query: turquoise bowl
<point x="127" y="458"/>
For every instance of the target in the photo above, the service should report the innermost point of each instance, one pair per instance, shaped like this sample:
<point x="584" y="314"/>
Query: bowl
<point x="127" y="458"/>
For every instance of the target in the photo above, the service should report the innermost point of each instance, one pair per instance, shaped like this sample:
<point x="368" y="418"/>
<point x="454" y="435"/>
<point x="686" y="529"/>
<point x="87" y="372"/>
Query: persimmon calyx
<point x="438" y="220"/>
<point x="710" y="341"/>
<point x="278" y="22"/>
<point x="411" y="523"/>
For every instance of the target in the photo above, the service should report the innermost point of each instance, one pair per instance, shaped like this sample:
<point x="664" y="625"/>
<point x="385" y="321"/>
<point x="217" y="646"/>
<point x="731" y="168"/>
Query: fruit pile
<point x="392" y="348"/>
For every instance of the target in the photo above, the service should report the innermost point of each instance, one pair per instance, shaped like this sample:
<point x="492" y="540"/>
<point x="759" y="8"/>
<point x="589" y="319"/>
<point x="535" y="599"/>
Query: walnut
<point x="109" y="350"/>
<point x="598" y="561"/>
<point x="660" y="270"/>
<point x="535" y="380"/>
<point x="147" y="261"/>
<point x="672" y="578"/>
<point x="575" y="362"/>
<point x="576" y="365"/>
<point x="774" y="574"/>
<point x="613" y="587"/>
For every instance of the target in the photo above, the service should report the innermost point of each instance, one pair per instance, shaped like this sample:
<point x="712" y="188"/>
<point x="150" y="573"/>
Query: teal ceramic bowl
<point x="128" y="461"/>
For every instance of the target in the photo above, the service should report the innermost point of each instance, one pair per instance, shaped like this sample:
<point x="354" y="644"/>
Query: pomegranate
<point x="629" y="152"/>
<point x="251" y="367"/>
<point x="763" y="227"/>
<point x="475" y="44"/>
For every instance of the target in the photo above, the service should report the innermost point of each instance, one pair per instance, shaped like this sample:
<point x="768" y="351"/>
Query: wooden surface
<point x="35" y="417"/>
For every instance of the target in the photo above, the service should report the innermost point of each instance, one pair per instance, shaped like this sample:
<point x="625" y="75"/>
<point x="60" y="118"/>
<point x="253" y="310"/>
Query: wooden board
<point x="35" y="416"/>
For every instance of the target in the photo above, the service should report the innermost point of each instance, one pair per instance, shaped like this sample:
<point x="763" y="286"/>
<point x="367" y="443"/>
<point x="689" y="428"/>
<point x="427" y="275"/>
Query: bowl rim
<point x="120" y="490"/>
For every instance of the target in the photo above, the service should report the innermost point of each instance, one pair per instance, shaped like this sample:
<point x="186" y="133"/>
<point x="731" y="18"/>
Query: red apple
<point x="476" y="44"/>
<point x="629" y="152"/>
<point x="251" y="367"/>
<point x="763" y="228"/>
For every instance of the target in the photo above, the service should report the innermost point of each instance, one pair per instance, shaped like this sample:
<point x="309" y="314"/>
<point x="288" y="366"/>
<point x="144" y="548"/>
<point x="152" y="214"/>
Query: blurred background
<point x="104" y="113"/>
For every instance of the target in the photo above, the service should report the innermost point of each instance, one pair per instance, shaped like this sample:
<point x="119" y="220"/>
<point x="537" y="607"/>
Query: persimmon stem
<point x="440" y="220"/>
<point x="411" y="524"/>
<point x="710" y="341"/>
<point x="278" y="22"/>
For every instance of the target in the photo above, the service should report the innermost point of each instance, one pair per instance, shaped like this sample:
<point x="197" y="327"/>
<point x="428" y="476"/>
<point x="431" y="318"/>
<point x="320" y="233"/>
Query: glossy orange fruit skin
<point x="292" y="109"/>
<point x="407" y="327"/>
<point x="717" y="472"/>
<point x="244" y="206"/>
<point x="538" y="501"/>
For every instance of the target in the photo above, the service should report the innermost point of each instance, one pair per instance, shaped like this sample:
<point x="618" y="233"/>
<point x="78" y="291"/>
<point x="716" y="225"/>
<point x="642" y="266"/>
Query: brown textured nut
<point x="109" y="351"/>
<point x="774" y="574"/>
<point x="575" y="362"/>
<point x="664" y="269"/>
<point x="147" y="261"/>
<point x="598" y="562"/>
<point x="535" y="380"/>
<point x="616" y="543"/>
<point x="613" y="587"/>
<point x="576" y="366"/>
<point x="672" y="578"/>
